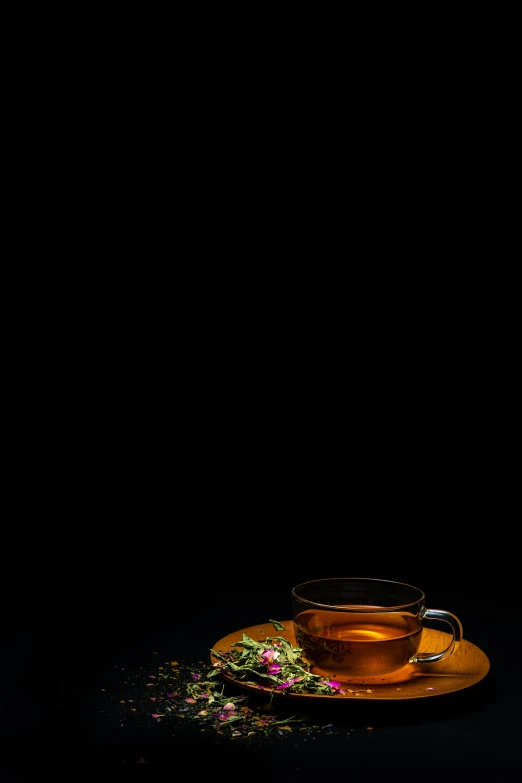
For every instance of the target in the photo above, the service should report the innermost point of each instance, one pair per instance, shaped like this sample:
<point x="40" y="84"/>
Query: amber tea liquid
<point x="360" y="645"/>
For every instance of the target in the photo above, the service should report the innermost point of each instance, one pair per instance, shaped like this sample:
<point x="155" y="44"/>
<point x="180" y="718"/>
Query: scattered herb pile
<point x="274" y="663"/>
<point x="174" y="692"/>
<point x="178" y="692"/>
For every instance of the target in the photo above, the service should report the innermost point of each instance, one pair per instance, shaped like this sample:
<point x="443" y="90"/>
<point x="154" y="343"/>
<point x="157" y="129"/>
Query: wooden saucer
<point x="467" y="666"/>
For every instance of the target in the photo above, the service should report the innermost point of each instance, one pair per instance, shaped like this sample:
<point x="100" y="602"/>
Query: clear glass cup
<point x="357" y="628"/>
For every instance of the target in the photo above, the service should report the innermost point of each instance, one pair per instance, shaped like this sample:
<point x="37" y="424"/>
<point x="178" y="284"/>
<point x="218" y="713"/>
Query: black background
<point x="260" y="341"/>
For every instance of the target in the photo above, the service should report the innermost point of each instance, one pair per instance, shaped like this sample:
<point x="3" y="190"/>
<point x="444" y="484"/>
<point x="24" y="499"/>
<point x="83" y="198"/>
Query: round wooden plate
<point x="467" y="666"/>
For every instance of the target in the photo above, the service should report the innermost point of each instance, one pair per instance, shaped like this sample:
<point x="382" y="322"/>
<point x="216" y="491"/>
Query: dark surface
<point x="177" y="596"/>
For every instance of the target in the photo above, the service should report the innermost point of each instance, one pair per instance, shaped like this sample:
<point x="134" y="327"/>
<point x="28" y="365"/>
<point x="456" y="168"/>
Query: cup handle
<point x="456" y="629"/>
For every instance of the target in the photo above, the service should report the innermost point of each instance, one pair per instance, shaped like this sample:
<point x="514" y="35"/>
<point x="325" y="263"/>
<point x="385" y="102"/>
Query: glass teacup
<point x="356" y="628"/>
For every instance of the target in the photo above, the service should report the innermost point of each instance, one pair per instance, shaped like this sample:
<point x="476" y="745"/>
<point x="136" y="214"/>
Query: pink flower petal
<point x="334" y="684"/>
<point x="269" y="655"/>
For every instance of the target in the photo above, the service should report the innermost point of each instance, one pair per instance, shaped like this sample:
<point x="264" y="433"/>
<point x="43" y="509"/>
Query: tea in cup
<point x="354" y="628"/>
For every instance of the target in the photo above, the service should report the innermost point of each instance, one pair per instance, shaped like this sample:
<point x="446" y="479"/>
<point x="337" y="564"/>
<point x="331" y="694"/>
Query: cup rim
<point x="391" y="607"/>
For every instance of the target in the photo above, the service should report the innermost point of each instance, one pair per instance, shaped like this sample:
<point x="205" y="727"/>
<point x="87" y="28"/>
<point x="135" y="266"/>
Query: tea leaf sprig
<point x="272" y="663"/>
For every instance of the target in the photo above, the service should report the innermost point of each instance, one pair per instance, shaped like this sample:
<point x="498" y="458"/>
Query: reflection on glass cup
<point x="359" y="628"/>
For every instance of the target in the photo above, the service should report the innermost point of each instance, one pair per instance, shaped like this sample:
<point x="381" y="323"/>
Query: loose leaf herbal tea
<point x="186" y="693"/>
<point x="272" y="663"/>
